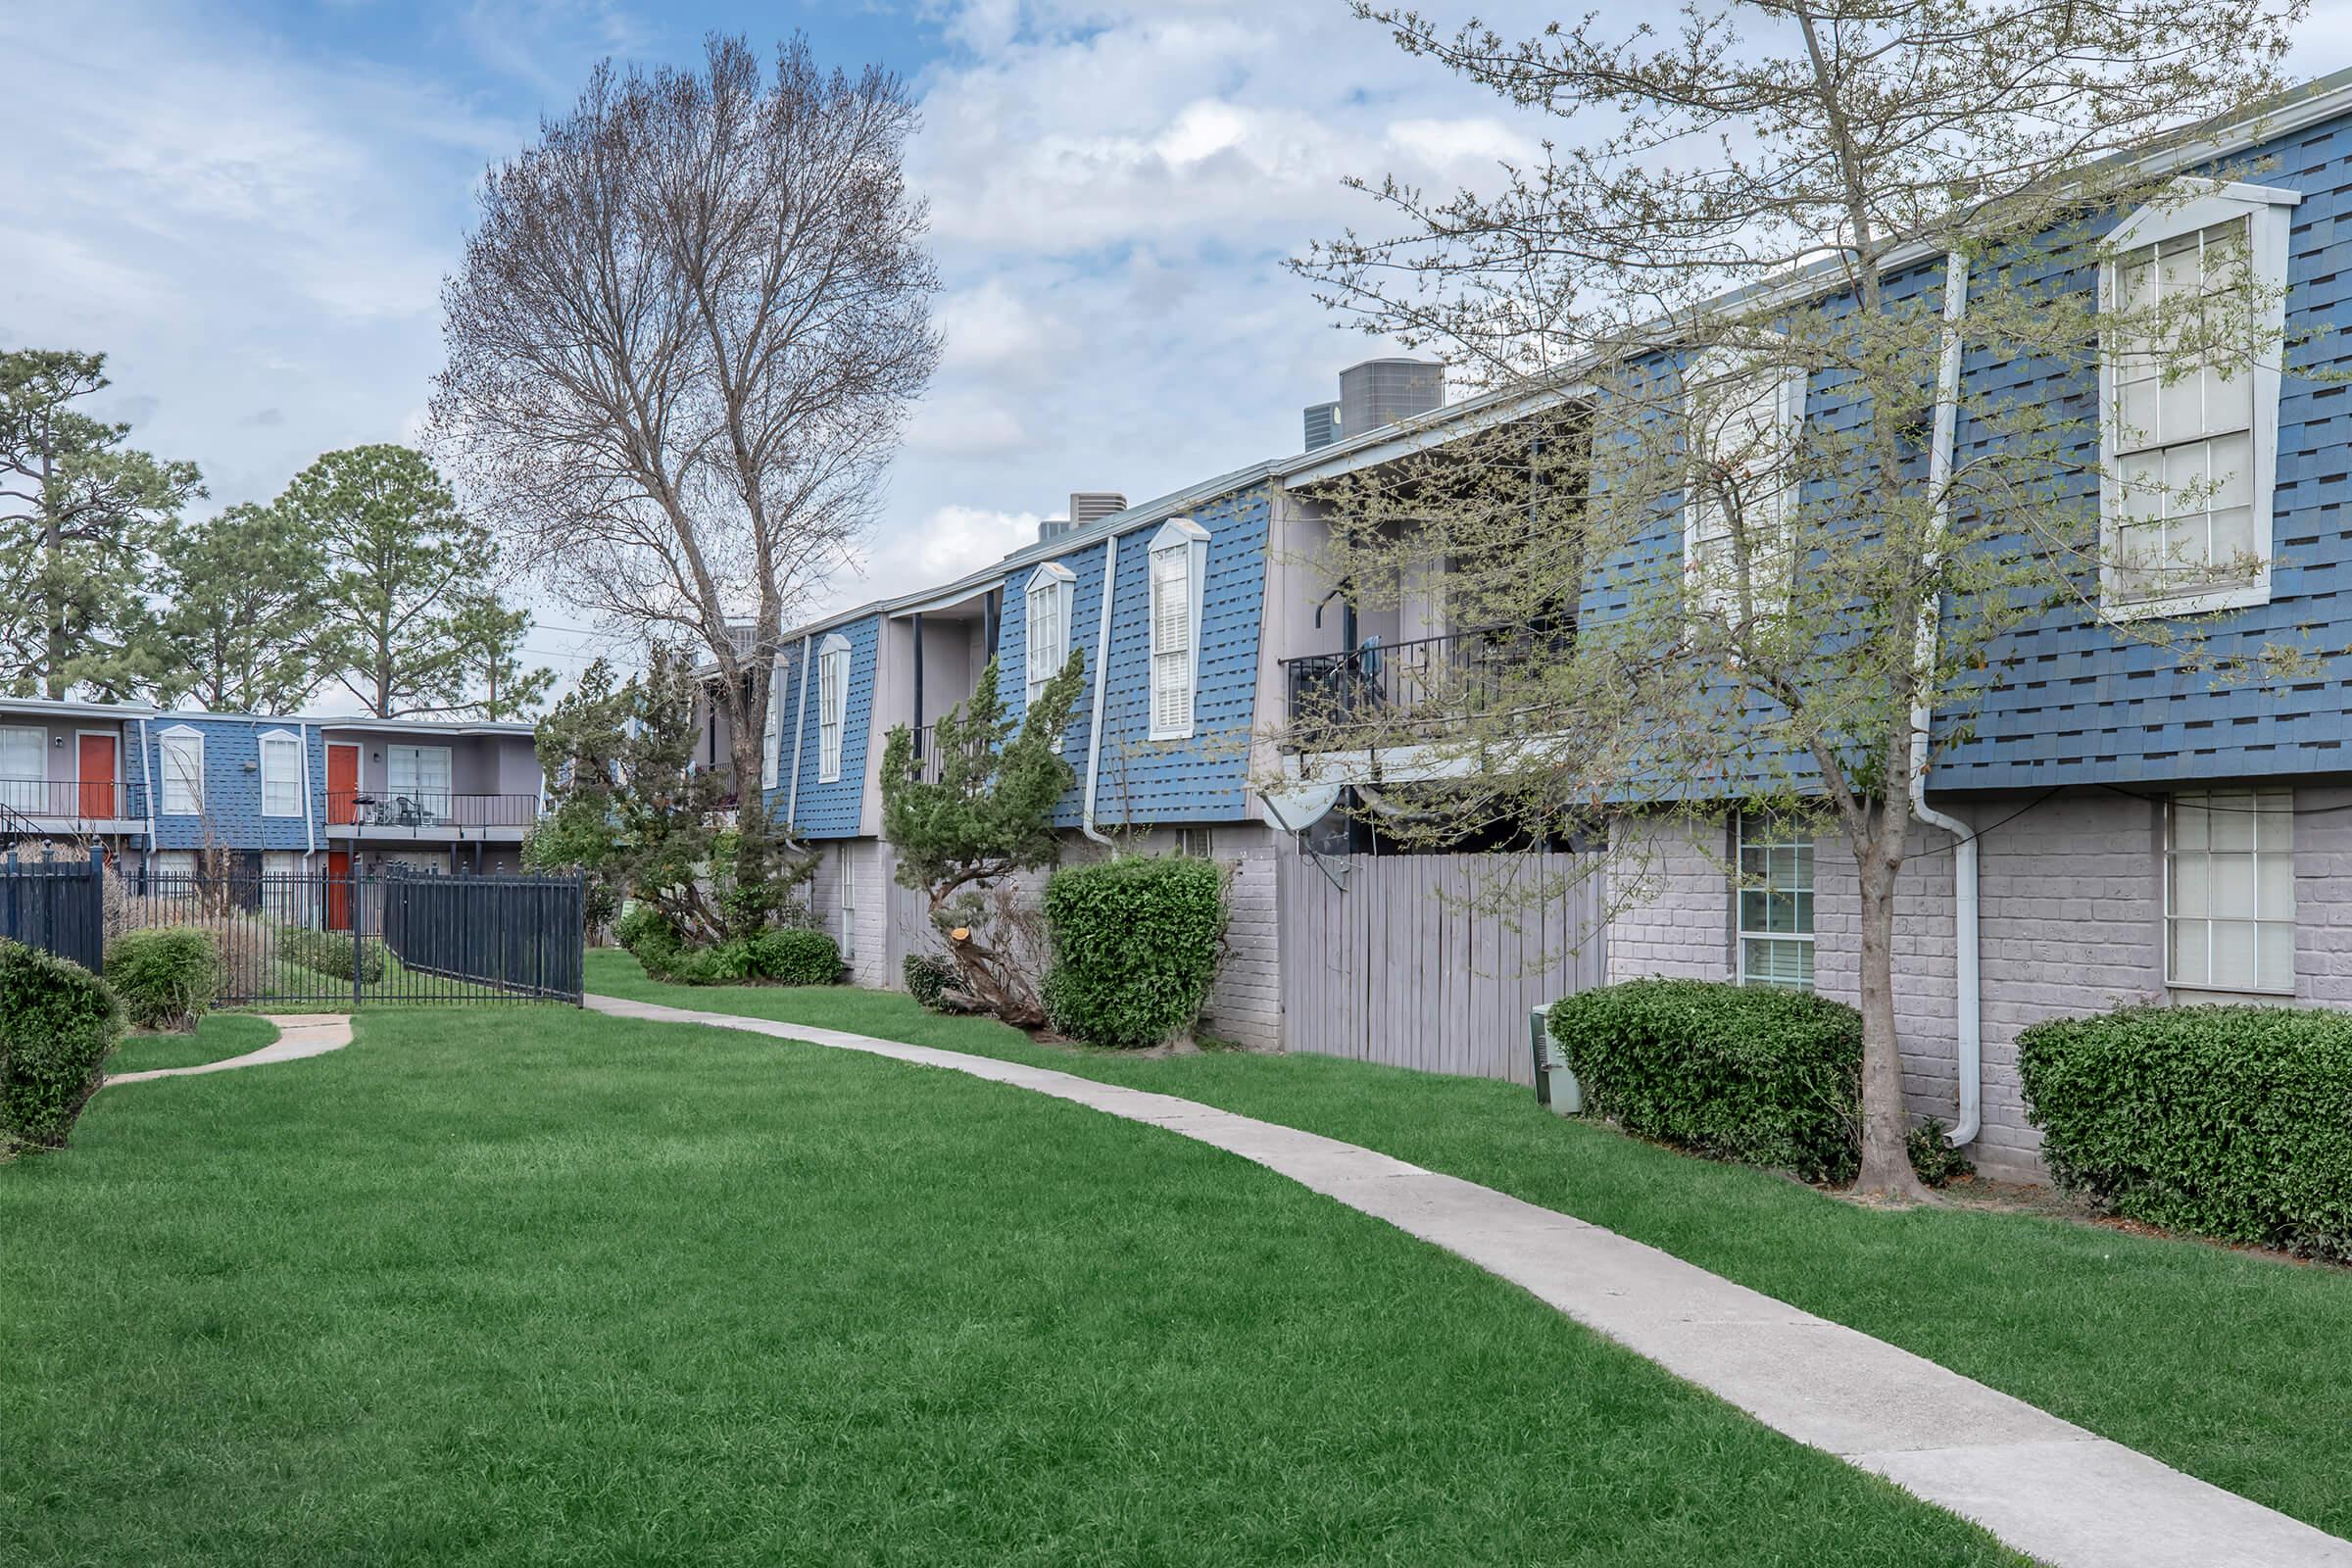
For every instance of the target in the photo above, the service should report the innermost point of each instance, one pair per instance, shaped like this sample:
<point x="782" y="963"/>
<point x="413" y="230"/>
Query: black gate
<point x="293" y="939"/>
<point x="56" y="906"/>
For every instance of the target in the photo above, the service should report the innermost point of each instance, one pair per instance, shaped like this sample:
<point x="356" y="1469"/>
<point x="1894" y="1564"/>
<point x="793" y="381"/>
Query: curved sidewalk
<point x="299" y="1035"/>
<point x="2043" y="1486"/>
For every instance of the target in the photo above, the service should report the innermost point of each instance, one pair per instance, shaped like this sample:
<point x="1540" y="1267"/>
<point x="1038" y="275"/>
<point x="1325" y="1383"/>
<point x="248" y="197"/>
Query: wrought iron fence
<point x="424" y="809"/>
<point x="80" y="800"/>
<point x="294" y="940"/>
<point x="1343" y="699"/>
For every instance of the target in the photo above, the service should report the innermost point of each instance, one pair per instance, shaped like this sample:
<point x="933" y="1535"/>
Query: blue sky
<point x="250" y="207"/>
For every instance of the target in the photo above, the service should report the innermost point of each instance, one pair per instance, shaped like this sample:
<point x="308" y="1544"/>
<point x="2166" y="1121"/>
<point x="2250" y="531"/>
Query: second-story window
<point x="1179" y="562"/>
<point x="772" y="735"/>
<point x="1741" y="424"/>
<point x="179" y="757"/>
<point x="832" y="706"/>
<point x="281" y="774"/>
<point x="2190" y="435"/>
<point x="1048" y="636"/>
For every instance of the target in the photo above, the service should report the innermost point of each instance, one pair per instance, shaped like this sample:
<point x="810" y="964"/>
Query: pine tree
<point x="242" y="611"/>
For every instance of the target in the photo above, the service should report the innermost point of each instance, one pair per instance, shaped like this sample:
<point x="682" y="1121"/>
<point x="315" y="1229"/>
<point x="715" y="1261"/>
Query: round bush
<point x="166" y="977"/>
<point x="796" y="955"/>
<point x="2232" y="1121"/>
<point x="1136" y="941"/>
<point x="331" y="952"/>
<point x="57" y="1024"/>
<point x="1767" y="1077"/>
<point x="928" y="978"/>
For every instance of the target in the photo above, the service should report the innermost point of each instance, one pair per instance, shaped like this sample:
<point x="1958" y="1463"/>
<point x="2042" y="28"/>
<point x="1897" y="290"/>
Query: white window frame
<point x="2269" y="213"/>
<point x="771" y="733"/>
<point x="2253" y="816"/>
<point x="1051" y="585"/>
<point x="1175" y="674"/>
<point x="419" y="793"/>
<point x="182" y="790"/>
<point x="849" y="900"/>
<point x="29" y="794"/>
<point x="1774" y="836"/>
<point x="832" y="705"/>
<point x="1706" y="377"/>
<point x="273" y="740"/>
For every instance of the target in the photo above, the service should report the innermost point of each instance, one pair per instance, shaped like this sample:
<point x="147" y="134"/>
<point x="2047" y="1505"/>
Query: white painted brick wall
<point x="1670" y="906"/>
<point x="1246" y="1004"/>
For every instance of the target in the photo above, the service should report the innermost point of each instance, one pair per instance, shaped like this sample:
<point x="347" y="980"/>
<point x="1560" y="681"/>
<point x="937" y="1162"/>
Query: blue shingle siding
<point x="830" y="810"/>
<point x="232" y="784"/>
<point x="2073" y="701"/>
<point x="1203" y="779"/>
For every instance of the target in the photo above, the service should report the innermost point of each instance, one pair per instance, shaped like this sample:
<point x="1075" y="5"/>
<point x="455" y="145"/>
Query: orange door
<point x="338" y="889"/>
<point x="342" y="782"/>
<point x="96" y="757"/>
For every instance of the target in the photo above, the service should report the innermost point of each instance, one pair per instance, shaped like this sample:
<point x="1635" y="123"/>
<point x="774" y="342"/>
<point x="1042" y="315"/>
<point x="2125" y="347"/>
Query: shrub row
<point x="331" y="952"/>
<point x="2232" y="1121"/>
<point x="1136" y="943"/>
<point x="166" y="977"/>
<point x="1768" y="1077"/>
<point x="57" y="1024"/>
<point x="791" y="955"/>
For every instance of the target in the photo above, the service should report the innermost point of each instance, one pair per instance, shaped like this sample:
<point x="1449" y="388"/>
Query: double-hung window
<point x="23" y="764"/>
<point x="849" y="900"/>
<point x="2196" y="302"/>
<point x="179" y="757"/>
<point x="2229" y="891"/>
<point x="1740" y="429"/>
<point x="1773" y="904"/>
<point x="1048" y="634"/>
<point x="281" y="774"/>
<point x="1179" y="566"/>
<point x="772" y="732"/>
<point x="832" y="705"/>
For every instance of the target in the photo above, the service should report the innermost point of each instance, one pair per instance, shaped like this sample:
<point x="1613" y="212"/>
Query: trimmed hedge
<point x="928" y="978"/>
<point x="1136" y="941"/>
<point x="57" y="1024"/>
<point x="2232" y="1121"/>
<point x="165" y="976"/>
<point x="796" y="955"/>
<point x="1768" y="1077"/>
<point x="331" y="952"/>
<point x="791" y="955"/>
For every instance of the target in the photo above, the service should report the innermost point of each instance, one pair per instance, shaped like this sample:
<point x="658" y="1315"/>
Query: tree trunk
<point x="748" y="719"/>
<point x="1886" y="1171"/>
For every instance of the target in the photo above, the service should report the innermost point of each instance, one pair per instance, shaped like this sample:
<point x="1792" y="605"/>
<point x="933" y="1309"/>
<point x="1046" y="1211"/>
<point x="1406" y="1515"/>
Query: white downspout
<point x="1093" y="734"/>
<point x="1970" y="1068"/>
<point x="147" y="786"/>
<point x="800" y="730"/>
<point x="310" y="818"/>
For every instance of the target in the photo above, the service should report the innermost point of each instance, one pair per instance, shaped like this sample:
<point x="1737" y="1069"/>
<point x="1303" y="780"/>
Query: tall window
<point x="2189" y="438"/>
<point x="2229" y="891"/>
<point x="1739" y="430"/>
<point x="832" y="706"/>
<point x="281" y="774"/>
<point x="849" y="902"/>
<point x="1179" y="558"/>
<point x="1773" y="904"/>
<point x="421" y="776"/>
<point x="1047" y="637"/>
<point x="772" y="733"/>
<point x="179" y="757"/>
<point x="23" y="763"/>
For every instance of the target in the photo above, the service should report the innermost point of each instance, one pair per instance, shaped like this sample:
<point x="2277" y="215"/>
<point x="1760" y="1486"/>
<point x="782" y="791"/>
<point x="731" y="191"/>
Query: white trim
<point x="37" y="786"/>
<point x="2255" y="854"/>
<point x="1178" y="536"/>
<point x="260" y="748"/>
<point x="2267" y="210"/>
<point x="1057" y="583"/>
<point x="800" y="738"/>
<point x="1716" y="370"/>
<point x="771" y="728"/>
<point x="1742" y="936"/>
<point x="163" y="741"/>
<point x="833" y="653"/>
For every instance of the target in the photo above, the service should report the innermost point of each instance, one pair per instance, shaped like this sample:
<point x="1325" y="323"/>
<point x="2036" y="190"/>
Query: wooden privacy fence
<point x="1396" y="960"/>
<point x="56" y="906"/>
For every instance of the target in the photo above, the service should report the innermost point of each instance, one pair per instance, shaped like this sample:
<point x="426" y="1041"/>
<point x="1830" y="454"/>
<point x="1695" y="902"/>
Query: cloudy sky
<point x="250" y="207"/>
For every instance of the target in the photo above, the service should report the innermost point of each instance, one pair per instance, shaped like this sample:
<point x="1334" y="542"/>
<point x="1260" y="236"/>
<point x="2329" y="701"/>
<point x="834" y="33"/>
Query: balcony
<point x="432" y="815"/>
<point x="64" y="804"/>
<point x="1385" y="693"/>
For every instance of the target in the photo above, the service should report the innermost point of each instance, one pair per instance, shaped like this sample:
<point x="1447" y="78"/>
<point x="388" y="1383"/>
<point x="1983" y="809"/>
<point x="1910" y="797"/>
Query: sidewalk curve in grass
<point x="299" y="1035"/>
<point x="2043" y="1486"/>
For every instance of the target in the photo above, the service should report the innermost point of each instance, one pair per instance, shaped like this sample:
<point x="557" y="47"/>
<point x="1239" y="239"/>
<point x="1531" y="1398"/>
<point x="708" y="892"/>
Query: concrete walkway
<point x="299" y="1035"/>
<point x="2046" y="1487"/>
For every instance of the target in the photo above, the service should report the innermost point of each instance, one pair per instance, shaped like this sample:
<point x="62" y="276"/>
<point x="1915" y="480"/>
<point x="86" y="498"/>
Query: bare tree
<point x="1728" y="554"/>
<point x="687" y="330"/>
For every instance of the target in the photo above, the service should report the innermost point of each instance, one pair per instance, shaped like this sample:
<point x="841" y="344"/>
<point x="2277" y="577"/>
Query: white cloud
<point x="958" y="424"/>
<point x="949" y="542"/>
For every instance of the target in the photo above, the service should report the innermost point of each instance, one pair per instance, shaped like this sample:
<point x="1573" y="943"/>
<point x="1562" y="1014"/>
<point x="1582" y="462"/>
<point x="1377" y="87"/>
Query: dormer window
<point x="2189" y="391"/>
<point x="1179" y="570"/>
<point x="832" y="705"/>
<point x="1740" y="427"/>
<point x="179" y="757"/>
<point x="1051" y="588"/>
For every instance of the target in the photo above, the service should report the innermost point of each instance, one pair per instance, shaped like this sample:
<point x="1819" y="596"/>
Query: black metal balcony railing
<point x="1366" y="693"/>
<point x="53" y="800"/>
<point x="428" y="809"/>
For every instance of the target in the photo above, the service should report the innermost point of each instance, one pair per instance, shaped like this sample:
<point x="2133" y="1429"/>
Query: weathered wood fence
<point x="1396" y="960"/>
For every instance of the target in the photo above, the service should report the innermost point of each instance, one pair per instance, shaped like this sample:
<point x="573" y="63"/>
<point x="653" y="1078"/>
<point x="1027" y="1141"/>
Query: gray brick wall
<point x="1246" y="1004"/>
<point x="1669" y="902"/>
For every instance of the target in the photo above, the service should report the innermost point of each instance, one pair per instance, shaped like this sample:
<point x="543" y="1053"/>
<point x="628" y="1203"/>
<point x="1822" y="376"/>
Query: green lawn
<point x="531" y="1286"/>
<point x="217" y="1036"/>
<point x="2226" y="1365"/>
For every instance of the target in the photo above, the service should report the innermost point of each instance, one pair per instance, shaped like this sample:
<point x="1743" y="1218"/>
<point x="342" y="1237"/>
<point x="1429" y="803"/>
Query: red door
<point x="338" y="889"/>
<point x="96" y="759"/>
<point x="342" y="782"/>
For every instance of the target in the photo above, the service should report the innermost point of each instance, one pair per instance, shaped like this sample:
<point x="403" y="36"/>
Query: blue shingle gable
<point x="232" y="784"/>
<point x="1202" y="779"/>
<point x="828" y="810"/>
